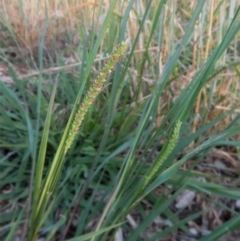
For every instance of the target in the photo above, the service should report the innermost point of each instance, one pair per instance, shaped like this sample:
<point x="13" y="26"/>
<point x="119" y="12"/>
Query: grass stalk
<point x="55" y="169"/>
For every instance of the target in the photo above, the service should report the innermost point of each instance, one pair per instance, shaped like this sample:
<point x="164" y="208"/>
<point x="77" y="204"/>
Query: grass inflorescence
<point x="96" y="87"/>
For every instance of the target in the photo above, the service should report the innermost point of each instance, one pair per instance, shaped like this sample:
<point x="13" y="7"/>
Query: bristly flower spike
<point x="94" y="90"/>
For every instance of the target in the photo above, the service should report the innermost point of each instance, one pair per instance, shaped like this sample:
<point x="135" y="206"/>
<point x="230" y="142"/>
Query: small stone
<point x="237" y="204"/>
<point x="185" y="199"/>
<point x="193" y="232"/>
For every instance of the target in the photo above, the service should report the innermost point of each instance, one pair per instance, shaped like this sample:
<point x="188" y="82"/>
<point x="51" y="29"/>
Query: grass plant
<point x="167" y="109"/>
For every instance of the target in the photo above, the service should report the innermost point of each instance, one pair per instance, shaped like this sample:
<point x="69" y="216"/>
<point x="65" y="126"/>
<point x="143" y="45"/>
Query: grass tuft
<point x="96" y="146"/>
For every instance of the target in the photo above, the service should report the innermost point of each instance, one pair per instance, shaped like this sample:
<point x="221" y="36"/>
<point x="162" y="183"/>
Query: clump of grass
<point x="43" y="194"/>
<point x="139" y="134"/>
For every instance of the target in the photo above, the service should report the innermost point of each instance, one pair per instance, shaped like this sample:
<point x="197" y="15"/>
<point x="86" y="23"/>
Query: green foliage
<point x="122" y="153"/>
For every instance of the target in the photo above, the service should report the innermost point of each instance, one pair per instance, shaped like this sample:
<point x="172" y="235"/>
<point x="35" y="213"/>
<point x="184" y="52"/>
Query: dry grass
<point x="28" y="18"/>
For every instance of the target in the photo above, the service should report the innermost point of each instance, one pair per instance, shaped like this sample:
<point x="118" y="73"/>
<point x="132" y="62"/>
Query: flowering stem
<point x="94" y="90"/>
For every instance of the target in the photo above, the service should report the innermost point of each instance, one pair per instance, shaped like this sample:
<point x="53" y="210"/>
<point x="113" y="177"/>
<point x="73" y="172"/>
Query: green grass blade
<point x="42" y="154"/>
<point x="94" y="234"/>
<point x="11" y="234"/>
<point x="225" y="228"/>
